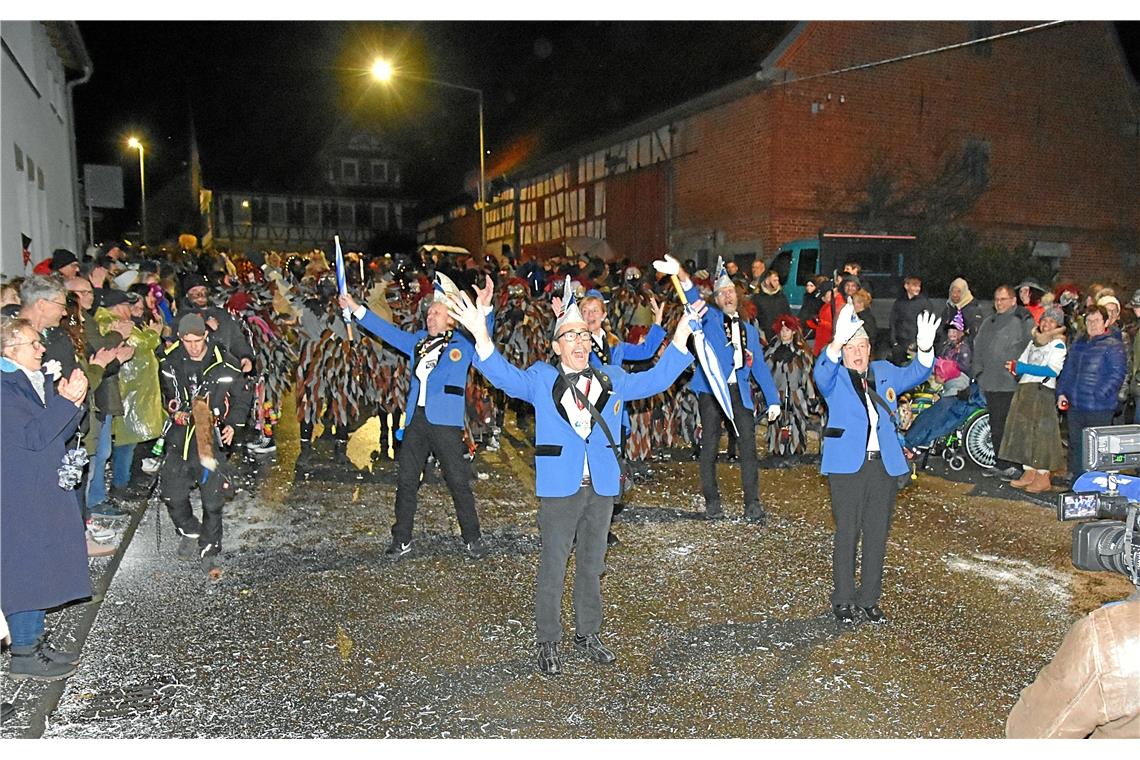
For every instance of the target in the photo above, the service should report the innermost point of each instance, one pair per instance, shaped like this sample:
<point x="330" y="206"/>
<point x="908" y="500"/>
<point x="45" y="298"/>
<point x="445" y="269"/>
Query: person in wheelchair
<point x="949" y="404"/>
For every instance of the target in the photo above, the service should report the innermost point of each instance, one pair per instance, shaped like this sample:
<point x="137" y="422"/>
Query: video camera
<point x="1110" y="542"/>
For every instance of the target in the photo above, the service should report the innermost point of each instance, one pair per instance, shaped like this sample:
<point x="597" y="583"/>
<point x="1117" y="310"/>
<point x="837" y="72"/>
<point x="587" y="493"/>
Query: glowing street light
<point x="383" y="71"/>
<point x="133" y="142"/>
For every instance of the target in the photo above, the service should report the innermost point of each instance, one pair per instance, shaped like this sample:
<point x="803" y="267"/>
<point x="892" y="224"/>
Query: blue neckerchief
<point x="7" y="365"/>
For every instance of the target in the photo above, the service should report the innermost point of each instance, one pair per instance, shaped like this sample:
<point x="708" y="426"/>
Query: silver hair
<point x="42" y="288"/>
<point x="10" y="328"/>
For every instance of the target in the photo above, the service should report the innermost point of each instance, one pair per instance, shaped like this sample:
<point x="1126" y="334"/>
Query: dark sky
<point x="267" y="95"/>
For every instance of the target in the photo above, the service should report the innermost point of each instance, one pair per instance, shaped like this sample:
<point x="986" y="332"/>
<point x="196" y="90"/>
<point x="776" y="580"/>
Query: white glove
<point x="846" y="324"/>
<point x="668" y="265"/>
<point x="773" y="412"/>
<point x="927" y="328"/>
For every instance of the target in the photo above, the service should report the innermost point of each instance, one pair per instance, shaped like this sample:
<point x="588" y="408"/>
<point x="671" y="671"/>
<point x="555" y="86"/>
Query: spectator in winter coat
<point x="961" y="301"/>
<point x="813" y="300"/>
<point x="825" y="319"/>
<point x="904" y="317"/>
<point x="1000" y="339"/>
<point x="770" y="303"/>
<point x="1089" y="382"/>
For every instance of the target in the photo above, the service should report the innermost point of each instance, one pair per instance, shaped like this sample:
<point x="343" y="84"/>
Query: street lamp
<point x="134" y="142"/>
<point x="383" y="71"/>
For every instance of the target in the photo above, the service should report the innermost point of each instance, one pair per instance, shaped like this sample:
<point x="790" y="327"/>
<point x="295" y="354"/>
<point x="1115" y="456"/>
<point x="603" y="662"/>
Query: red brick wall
<point x="1051" y="105"/>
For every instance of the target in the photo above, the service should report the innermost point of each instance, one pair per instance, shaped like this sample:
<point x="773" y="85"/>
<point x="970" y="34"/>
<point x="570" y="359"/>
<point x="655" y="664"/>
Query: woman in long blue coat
<point x="43" y="550"/>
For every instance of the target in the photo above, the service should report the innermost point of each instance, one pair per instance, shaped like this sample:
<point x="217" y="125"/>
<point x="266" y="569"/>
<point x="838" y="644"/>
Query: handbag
<point x="625" y="483"/>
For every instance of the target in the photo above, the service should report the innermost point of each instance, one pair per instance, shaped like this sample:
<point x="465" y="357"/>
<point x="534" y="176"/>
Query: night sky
<point x="265" y="96"/>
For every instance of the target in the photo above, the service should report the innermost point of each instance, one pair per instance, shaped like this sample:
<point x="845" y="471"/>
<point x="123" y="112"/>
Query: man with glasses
<point x="1001" y="338"/>
<point x="576" y="471"/>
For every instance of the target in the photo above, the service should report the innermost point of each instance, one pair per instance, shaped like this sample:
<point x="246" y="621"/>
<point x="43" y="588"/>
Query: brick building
<point x="1023" y="136"/>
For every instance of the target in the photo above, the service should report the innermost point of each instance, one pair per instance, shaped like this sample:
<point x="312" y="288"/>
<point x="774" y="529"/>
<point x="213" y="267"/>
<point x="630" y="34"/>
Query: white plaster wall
<point x="36" y="117"/>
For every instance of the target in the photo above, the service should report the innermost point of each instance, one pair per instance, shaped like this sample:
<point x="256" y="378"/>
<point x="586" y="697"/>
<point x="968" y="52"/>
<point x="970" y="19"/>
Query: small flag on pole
<point x="342" y="284"/>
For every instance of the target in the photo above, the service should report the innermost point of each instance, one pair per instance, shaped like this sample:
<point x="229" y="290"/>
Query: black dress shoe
<point x="844" y="613"/>
<point x="874" y="614"/>
<point x="549" y="663"/>
<point x="713" y="511"/>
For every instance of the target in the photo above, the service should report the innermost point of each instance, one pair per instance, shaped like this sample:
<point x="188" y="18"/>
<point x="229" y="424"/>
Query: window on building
<point x="348" y="171"/>
<point x="277" y="212"/>
<point x="40" y="178"/>
<point x="379" y="216"/>
<point x="379" y="172"/>
<point x="19" y="158"/>
<point x="345" y="218"/>
<point x="31" y="167"/>
<point x="312" y="215"/>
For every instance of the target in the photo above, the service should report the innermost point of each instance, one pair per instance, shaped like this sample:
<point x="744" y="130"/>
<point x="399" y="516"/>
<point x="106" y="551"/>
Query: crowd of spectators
<point x="94" y="331"/>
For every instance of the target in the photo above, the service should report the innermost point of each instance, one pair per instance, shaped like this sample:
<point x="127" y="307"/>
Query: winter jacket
<point x="904" y="319"/>
<point x="972" y="317"/>
<point x="769" y="306"/>
<point x="1043" y="359"/>
<point x="1000" y="339"/>
<point x="1089" y="688"/>
<point x="1093" y="373"/>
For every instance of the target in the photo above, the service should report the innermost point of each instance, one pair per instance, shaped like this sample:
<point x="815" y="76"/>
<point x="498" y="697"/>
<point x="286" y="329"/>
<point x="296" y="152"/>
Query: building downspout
<point x="88" y="70"/>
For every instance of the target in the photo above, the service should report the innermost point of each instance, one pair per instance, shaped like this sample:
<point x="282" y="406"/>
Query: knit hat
<point x="191" y="324"/>
<point x="958" y="323"/>
<point x="1134" y="302"/>
<point x="1106" y="300"/>
<point x="1054" y="313"/>
<point x="60" y="258"/>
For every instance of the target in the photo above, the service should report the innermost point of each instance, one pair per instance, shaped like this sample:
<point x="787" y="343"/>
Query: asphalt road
<point x="721" y="629"/>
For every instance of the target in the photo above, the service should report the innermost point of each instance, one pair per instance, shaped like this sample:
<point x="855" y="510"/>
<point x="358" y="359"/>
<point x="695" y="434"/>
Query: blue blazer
<point x="848" y="424"/>
<point x="43" y="546"/>
<point x="631" y="352"/>
<point x="445" y="402"/>
<point x="713" y="325"/>
<point x="559" y="451"/>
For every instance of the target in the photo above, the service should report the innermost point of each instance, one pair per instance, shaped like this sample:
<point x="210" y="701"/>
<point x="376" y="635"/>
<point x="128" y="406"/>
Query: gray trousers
<point x="584" y="516"/>
<point x="862" y="504"/>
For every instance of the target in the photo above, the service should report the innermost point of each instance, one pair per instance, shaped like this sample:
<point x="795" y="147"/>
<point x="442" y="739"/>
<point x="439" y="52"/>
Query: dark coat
<point x="43" y="548"/>
<point x="1093" y="373"/>
<point x="904" y="318"/>
<point x="769" y="306"/>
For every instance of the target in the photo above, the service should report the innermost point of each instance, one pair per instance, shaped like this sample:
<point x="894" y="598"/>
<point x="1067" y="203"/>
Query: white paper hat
<point x="571" y="314"/>
<point x="444" y="287"/>
<point x="722" y="279"/>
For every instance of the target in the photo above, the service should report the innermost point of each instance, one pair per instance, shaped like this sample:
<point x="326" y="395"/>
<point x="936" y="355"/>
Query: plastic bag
<point x="142" y="395"/>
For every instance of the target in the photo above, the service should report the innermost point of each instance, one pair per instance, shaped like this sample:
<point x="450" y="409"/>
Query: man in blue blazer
<point x="738" y="351"/>
<point x="440" y="357"/>
<point x="862" y="456"/>
<point x="576" y="471"/>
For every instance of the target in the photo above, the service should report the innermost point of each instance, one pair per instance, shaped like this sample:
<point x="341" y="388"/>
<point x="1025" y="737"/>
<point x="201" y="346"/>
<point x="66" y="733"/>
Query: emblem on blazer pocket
<point x="617" y="406"/>
<point x="891" y="395"/>
<point x="455" y="355"/>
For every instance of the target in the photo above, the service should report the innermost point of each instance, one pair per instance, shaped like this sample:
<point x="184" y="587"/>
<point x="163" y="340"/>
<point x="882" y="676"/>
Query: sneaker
<point x="263" y="446"/>
<point x="398" y="549"/>
<point x="549" y="663"/>
<point x="99" y="533"/>
<point x="150" y="465"/>
<point x="32" y="663"/>
<point x="108" y="511"/>
<point x="594" y="648"/>
<point x="95" y="549"/>
<point x="477" y="549"/>
<point x="56" y="655"/>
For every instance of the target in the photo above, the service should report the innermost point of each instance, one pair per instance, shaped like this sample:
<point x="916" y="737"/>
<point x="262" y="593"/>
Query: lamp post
<point x="134" y="142"/>
<point x="382" y="71"/>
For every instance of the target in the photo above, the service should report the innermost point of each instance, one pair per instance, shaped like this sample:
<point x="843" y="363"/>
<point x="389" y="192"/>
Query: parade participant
<point x="862" y="456"/>
<point x="440" y="358"/>
<point x="605" y="346"/>
<point x="224" y="329"/>
<point x="740" y="357"/>
<point x="790" y="361"/>
<point x="208" y="400"/>
<point x="576" y="465"/>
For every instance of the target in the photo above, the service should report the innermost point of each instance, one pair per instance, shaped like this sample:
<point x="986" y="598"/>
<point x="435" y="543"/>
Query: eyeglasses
<point x="575" y="336"/>
<point x="27" y="343"/>
<point x="59" y="303"/>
